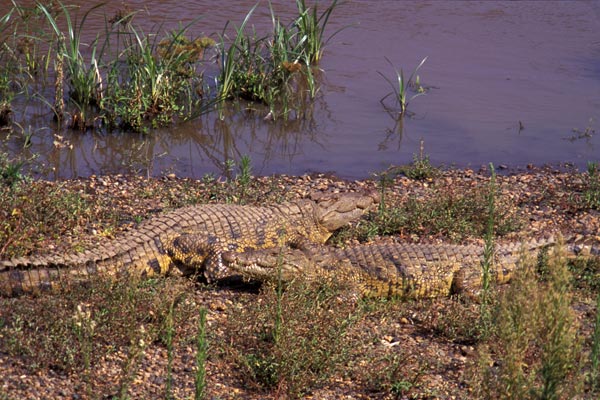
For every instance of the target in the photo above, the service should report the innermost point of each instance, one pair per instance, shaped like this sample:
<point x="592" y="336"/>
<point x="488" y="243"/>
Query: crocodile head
<point x="334" y="210"/>
<point x="270" y="264"/>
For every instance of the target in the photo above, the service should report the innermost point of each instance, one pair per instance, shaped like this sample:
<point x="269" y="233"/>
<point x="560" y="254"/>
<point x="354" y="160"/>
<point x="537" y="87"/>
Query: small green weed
<point x="168" y="338"/>
<point x="420" y="169"/>
<point x="591" y="193"/>
<point x="10" y="171"/>
<point x="201" y="357"/>
<point x="244" y="177"/>
<point x="586" y="275"/>
<point x="594" y="375"/>
<point x="400" y="388"/>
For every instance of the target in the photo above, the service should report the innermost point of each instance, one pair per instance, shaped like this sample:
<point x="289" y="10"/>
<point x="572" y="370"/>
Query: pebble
<point x="541" y="195"/>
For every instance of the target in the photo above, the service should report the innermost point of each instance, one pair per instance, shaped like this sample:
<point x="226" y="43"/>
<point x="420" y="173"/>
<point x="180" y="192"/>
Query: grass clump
<point x="420" y="169"/>
<point x="292" y="340"/>
<point x="31" y="213"/>
<point x="74" y="319"/>
<point x="274" y="69"/>
<point x="123" y="78"/>
<point x="591" y="193"/>
<point x="10" y="171"/>
<point x="445" y="210"/>
<point x="83" y="75"/>
<point x="161" y="80"/>
<point x="533" y="352"/>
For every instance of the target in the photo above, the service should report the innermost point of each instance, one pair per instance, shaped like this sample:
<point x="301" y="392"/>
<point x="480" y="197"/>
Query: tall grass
<point x="485" y="315"/>
<point x="134" y="80"/>
<point x="22" y="34"/>
<point x="535" y="344"/>
<point x="83" y="76"/>
<point x="5" y="78"/>
<point x="276" y="69"/>
<point x="311" y="30"/>
<point x="228" y="59"/>
<point x="156" y="79"/>
<point x="594" y="375"/>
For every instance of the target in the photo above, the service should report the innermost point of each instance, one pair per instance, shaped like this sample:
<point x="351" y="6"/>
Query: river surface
<point x="512" y="83"/>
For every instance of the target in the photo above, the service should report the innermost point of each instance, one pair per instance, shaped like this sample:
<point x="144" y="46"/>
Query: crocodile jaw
<point x="270" y="264"/>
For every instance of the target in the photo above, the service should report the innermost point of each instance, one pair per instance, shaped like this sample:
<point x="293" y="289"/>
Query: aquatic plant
<point x="400" y="88"/>
<point x="83" y="76"/>
<point x="134" y="80"/>
<point x="311" y="30"/>
<point x="229" y="57"/>
<point x="276" y="69"/>
<point x="158" y="76"/>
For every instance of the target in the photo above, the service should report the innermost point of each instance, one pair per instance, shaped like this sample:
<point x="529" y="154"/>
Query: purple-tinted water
<point x="510" y="81"/>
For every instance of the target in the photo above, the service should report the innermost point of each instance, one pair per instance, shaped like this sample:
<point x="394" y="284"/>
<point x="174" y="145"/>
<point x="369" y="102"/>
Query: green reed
<point x="83" y="75"/>
<point x="160" y="80"/>
<point x="229" y="58"/>
<point x="311" y="27"/>
<point x="276" y="69"/>
<point x="129" y="79"/>
<point x="401" y="86"/>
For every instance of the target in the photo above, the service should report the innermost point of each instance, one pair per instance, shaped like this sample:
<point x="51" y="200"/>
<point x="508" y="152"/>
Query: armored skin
<point x="190" y="240"/>
<point x="391" y="269"/>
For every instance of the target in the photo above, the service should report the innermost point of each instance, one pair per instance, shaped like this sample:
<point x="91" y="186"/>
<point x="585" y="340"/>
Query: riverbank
<point x="88" y="342"/>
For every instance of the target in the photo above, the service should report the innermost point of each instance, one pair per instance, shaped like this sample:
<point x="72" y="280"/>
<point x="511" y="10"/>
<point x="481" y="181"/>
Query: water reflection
<point x="495" y="64"/>
<point x="208" y="140"/>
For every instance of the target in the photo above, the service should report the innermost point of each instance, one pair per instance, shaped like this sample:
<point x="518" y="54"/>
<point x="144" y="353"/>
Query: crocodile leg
<point x="194" y="253"/>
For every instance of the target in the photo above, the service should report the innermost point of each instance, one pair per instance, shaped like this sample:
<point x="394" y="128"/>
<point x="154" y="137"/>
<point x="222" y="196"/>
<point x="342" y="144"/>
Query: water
<point x="509" y="83"/>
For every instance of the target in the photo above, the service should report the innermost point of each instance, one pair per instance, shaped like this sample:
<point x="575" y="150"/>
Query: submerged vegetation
<point x="122" y="77"/>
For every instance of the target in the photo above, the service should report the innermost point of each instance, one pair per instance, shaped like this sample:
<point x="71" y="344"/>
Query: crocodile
<point x="400" y="270"/>
<point x="162" y="244"/>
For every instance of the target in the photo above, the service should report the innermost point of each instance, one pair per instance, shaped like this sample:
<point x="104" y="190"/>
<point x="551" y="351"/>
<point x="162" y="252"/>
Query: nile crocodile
<point x="391" y="269"/>
<point x="162" y="244"/>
